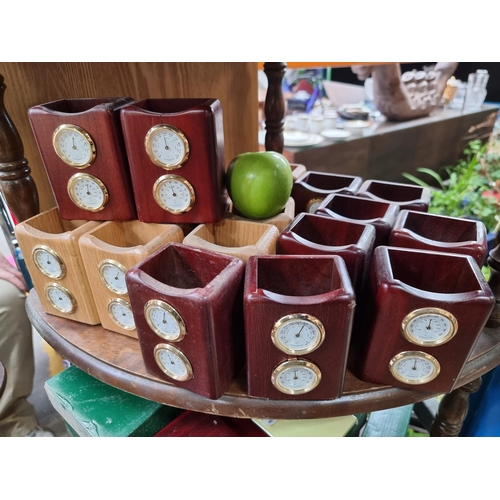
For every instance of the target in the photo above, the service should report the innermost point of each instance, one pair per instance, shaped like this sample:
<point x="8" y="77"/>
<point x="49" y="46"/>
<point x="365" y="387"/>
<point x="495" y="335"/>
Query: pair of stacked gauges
<point x="106" y="158"/>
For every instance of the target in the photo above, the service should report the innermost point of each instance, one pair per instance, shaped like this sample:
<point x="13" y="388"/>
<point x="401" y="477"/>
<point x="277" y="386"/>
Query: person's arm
<point x="11" y="274"/>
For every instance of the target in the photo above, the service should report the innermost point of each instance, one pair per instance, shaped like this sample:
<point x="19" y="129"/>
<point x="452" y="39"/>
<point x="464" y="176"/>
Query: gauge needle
<point x="414" y="367"/>
<point x="73" y="147"/>
<point x="298" y="333"/>
<point x="173" y="192"/>
<point x="164" y="318"/>
<point x="429" y="325"/>
<point x="117" y="274"/>
<point x="165" y="139"/>
<point x="295" y="375"/>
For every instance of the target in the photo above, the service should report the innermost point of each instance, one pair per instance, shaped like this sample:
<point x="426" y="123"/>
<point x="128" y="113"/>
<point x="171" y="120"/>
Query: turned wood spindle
<point x="16" y="182"/>
<point x="453" y="410"/>
<point x="274" y="106"/>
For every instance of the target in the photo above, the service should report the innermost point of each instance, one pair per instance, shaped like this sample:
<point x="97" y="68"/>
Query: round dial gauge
<point x="49" y="262"/>
<point x="429" y="326"/>
<point x="167" y="146"/>
<point x="121" y="313"/>
<point x="173" y="362"/>
<point x="313" y="205"/>
<point x="298" y="333"/>
<point x="164" y="320"/>
<point x="414" y="367"/>
<point x="88" y="192"/>
<point x="60" y="298"/>
<point x="296" y="376"/>
<point x="74" y="146"/>
<point x="112" y="274"/>
<point x="174" y="194"/>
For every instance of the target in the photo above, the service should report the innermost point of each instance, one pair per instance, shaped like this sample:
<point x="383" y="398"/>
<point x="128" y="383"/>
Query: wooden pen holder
<point x="108" y="252"/>
<point x="176" y="154"/>
<point x="426" y="312"/>
<point x="312" y="187"/>
<point x="187" y="304"/>
<point x="311" y="234"/>
<point x="298" y="170"/>
<point x="298" y="317"/>
<point x="406" y="196"/>
<point x="236" y="238"/>
<point x="82" y="149"/>
<point x="52" y="255"/>
<point x="380" y="214"/>
<point x="420" y="230"/>
<point x="280" y="220"/>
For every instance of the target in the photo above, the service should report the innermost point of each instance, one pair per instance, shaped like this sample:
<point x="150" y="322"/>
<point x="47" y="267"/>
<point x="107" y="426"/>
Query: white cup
<point x="302" y="123"/>
<point x="316" y="124"/>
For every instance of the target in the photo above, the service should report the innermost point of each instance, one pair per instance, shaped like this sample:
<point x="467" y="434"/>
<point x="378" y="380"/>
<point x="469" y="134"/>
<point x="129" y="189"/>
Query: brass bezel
<point x="297" y="317"/>
<point x="311" y="202"/>
<point x="180" y="355"/>
<point x="170" y="310"/>
<point x="425" y="311"/>
<point x="86" y="136"/>
<point x="63" y="290"/>
<point x="55" y="256"/>
<point x="414" y="354"/>
<point x="149" y="149"/>
<point x="114" y="263"/>
<point x="71" y="182"/>
<point x="122" y="303"/>
<point x="177" y="178"/>
<point x="301" y="363"/>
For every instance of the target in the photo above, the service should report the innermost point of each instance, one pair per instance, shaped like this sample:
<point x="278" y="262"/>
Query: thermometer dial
<point x="167" y="146"/>
<point x="298" y="333"/>
<point x="414" y="367"/>
<point x="48" y="262"/>
<point x="74" y="146"/>
<point x="173" y="362"/>
<point x="429" y="326"/>
<point x="164" y="320"/>
<point x="88" y="192"/>
<point x="121" y="313"/>
<point x="313" y="205"/>
<point x="174" y="194"/>
<point x="112" y="274"/>
<point x="296" y="376"/>
<point x="60" y="298"/>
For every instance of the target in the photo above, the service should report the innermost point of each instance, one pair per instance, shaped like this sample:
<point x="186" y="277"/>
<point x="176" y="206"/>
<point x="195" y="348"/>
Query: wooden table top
<point x="117" y="360"/>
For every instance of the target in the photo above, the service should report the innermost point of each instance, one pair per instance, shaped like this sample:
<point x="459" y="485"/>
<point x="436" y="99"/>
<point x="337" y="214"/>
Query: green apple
<point x="259" y="184"/>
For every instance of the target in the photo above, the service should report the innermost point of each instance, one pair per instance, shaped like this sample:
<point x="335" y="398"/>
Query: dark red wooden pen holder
<point x="440" y="233"/>
<point x="298" y="319"/>
<point x="380" y="214"/>
<point x="187" y="305"/>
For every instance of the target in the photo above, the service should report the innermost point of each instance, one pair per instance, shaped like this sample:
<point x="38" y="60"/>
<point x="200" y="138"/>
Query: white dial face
<point x="296" y="377"/>
<point x="298" y="334"/>
<point x="414" y="367"/>
<point x="87" y="192"/>
<point x="313" y="205"/>
<point x="121" y="313"/>
<point x="174" y="194"/>
<point x="167" y="146"/>
<point x="173" y="362"/>
<point x="74" y="146"/>
<point x="60" y="298"/>
<point x="429" y="327"/>
<point x="49" y="262"/>
<point x="165" y="321"/>
<point x="113" y="277"/>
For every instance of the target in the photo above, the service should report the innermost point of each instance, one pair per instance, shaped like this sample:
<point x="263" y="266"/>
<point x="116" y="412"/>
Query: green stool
<point x="91" y="408"/>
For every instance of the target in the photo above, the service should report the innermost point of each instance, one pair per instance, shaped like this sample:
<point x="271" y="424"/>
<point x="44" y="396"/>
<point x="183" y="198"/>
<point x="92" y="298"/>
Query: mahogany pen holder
<point x="187" y="304"/>
<point x="298" y="317"/>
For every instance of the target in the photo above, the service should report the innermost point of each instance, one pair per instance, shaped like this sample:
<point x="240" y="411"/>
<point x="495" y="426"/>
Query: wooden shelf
<point x="116" y="360"/>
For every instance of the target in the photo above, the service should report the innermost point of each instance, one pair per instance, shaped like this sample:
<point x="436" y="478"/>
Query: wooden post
<point x="274" y="106"/>
<point x="16" y="182"/>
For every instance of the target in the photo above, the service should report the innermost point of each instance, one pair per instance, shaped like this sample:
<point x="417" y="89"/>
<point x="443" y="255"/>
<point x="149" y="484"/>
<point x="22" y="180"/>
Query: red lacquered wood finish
<point x="421" y="230"/>
<point x="311" y="234"/>
<point x="277" y="286"/>
<point x="194" y="424"/>
<point x="380" y="214"/>
<point x="100" y="118"/>
<point x="404" y="280"/>
<point x="312" y="187"/>
<point x="205" y="288"/>
<point x="407" y="196"/>
<point x="201" y="122"/>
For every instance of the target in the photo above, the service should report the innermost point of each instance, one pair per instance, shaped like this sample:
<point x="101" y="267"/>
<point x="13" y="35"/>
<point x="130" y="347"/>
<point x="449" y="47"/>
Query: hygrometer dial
<point x="173" y="362"/>
<point x="414" y="367"/>
<point x="74" y="146"/>
<point x="430" y="326"/>
<point x="88" y="192"/>
<point x="48" y="262"/>
<point x="121" y="313"/>
<point x="60" y="298"/>
<point x="296" y="376"/>
<point x="298" y="333"/>
<point x="112" y="274"/>
<point x="167" y="146"/>
<point x="174" y="194"/>
<point x="165" y="320"/>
